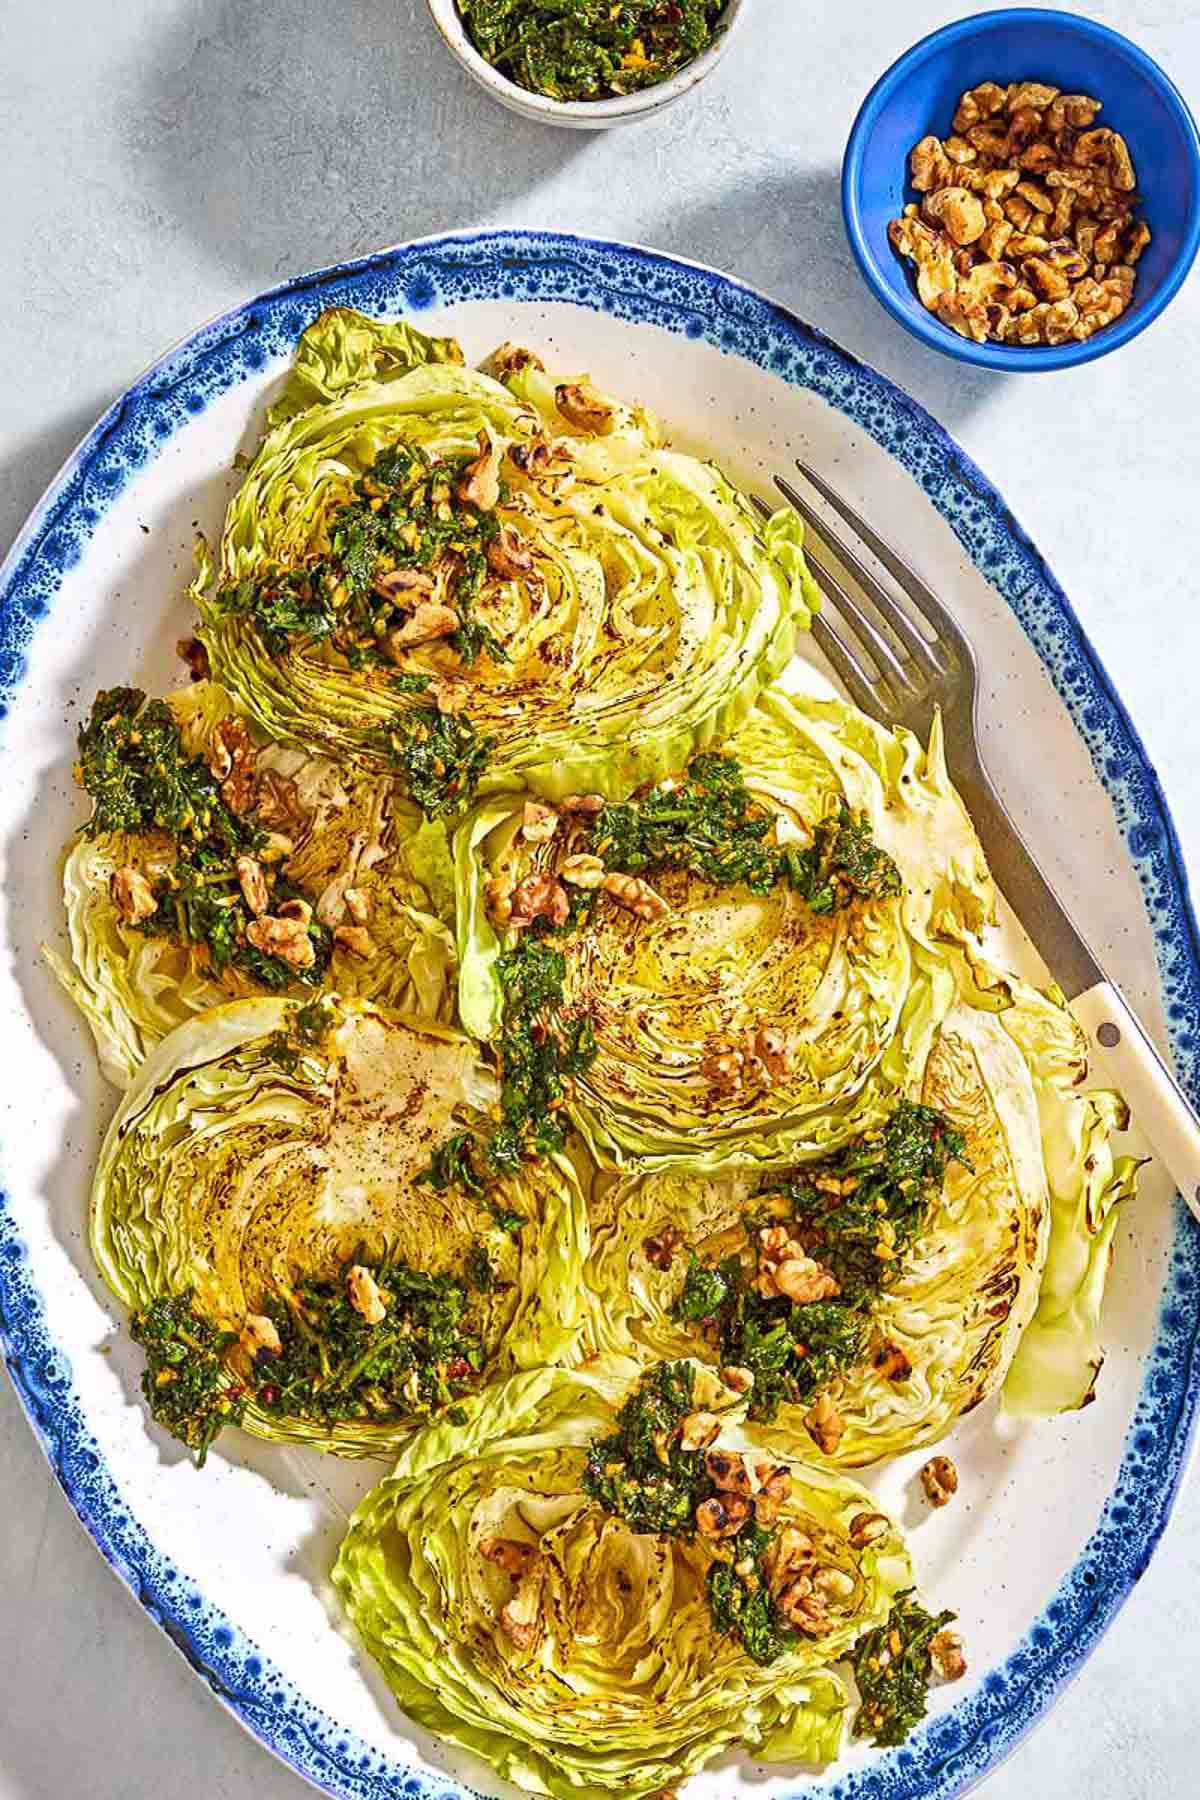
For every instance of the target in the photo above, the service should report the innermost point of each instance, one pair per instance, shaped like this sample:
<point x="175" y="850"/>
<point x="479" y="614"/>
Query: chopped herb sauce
<point x="133" y="764"/>
<point x="335" y="1366"/>
<point x="710" y="824"/>
<point x="857" y="1214"/>
<point x="539" y="1051"/>
<point x="588" y="49"/>
<point x="739" y="1599"/>
<point x="404" y="518"/>
<point x="641" y="1473"/>
<point x="893" y="1668"/>
<point x="441" y="757"/>
<point x="185" y="1381"/>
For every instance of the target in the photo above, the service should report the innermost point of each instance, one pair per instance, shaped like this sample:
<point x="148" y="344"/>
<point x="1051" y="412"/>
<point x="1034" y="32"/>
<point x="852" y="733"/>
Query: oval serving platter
<point x="1055" y="1521"/>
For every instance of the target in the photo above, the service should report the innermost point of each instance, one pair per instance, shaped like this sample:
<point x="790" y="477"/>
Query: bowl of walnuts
<point x="1022" y="190"/>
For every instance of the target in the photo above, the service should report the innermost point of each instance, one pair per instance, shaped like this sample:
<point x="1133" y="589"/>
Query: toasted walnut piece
<point x="723" y="1069"/>
<point x="582" y="406"/>
<point x="1035" y="94"/>
<point x="1050" y="282"/>
<point x="1084" y="232"/>
<point x="479" y="483"/>
<point x="791" y="1554"/>
<point x="958" y="211"/>
<point x="890" y="1361"/>
<point x="1061" y="321"/>
<point x="1037" y="158"/>
<point x="1024" y="128"/>
<point x="802" y="1281"/>
<point x="728" y="1471"/>
<point x="1101" y="302"/>
<point x="366" y="1295"/>
<point x="404" y="587"/>
<point x="698" y="1430"/>
<point x="260" y="1333"/>
<point x="803" y="1606"/>
<point x="539" y="896"/>
<point x="586" y="804"/>
<point x="582" y="871"/>
<point x="989" y="140"/>
<point x="969" y="322"/>
<point x="1075" y="110"/>
<point x="637" y="896"/>
<point x="1106" y="243"/>
<point x="430" y="621"/>
<point x="993" y="244"/>
<point x="510" y="359"/>
<point x="939" y="1478"/>
<point x="538" y="823"/>
<point x="1064" y="212"/>
<point x="987" y="281"/>
<point x="497" y="897"/>
<point x="358" y="905"/>
<point x="231" y="748"/>
<point x="192" y="652"/>
<point x="930" y="166"/>
<point x="1021" y="299"/>
<point x="867" y="1528"/>
<point x="253" y="884"/>
<point x="775" y="1490"/>
<point x="356" y="940"/>
<point x="1136" y="239"/>
<point x="992" y="184"/>
<point x="660" y="1249"/>
<point x="1023" y="244"/>
<point x="835" y="1586"/>
<point x="1036" y="195"/>
<point x="1028" y="328"/>
<point x="737" y="1379"/>
<point x="824" y="1424"/>
<point x="509" y="1554"/>
<point x="297" y="910"/>
<point x="946" y="1652"/>
<point x="958" y="151"/>
<point x="1018" y="212"/>
<point x="1107" y="147"/>
<point x="132" y="895"/>
<point x="722" y="1517"/>
<point x="508" y="555"/>
<point x="285" y="938"/>
<point x="773" y="1052"/>
<point x="982" y="102"/>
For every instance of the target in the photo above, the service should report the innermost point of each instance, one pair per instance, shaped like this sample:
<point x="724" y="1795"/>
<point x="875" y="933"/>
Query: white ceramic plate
<point x="1053" y="1523"/>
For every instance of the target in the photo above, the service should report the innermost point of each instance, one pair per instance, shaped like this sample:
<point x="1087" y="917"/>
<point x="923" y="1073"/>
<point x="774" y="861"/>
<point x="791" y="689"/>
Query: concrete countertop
<point x="162" y="159"/>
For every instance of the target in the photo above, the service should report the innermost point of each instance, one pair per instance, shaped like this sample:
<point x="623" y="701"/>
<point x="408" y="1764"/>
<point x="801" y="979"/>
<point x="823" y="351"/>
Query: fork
<point x="901" y="675"/>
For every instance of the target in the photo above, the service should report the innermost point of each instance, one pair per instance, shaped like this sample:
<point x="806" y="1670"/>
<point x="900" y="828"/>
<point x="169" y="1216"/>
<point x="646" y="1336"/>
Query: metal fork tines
<point x="890" y="667"/>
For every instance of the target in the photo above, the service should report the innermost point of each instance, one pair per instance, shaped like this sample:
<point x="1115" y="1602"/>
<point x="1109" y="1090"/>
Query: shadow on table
<point x="292" y="133"/>
<point x="785" y="236"/>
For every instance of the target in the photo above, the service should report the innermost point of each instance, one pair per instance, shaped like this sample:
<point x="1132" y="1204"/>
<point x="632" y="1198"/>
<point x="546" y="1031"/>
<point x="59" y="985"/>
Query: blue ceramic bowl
<point x="918" y="95"/>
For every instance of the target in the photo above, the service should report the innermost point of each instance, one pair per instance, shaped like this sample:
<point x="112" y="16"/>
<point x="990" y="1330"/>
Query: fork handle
<point x="1155" y="1098"/>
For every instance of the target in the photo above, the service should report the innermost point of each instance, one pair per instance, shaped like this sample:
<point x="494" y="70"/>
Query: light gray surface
<point x="163" y="159"/>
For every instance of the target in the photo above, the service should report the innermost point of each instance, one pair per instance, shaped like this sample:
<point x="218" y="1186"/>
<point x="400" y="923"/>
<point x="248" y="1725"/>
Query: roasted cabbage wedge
<point x="266" y="1149"/>
<point x="344" y="828"/>
<point x="628" y="609"/>
<point x="682" y="1000"/>
<point x="938" y="1337"/>
<point x="617" y="1680"/>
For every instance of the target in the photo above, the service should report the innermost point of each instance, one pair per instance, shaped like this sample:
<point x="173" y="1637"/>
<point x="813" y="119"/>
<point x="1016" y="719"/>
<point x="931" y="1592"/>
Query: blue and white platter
<point x="1055" y="1522"/>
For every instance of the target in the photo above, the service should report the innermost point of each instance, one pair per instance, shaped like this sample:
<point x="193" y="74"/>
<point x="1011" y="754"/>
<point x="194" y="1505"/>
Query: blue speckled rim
<point x="640" y="286"/>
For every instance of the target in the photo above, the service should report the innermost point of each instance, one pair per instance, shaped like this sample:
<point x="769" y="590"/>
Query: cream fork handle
<point x="1135" y="1067"/>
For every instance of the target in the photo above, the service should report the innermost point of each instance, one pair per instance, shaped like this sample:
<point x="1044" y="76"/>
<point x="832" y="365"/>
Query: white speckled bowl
<point x="583" y="115"/>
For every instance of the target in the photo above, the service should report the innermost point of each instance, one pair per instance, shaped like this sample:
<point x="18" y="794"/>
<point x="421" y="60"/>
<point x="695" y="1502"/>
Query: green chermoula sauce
<point x="589" y="49"/>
